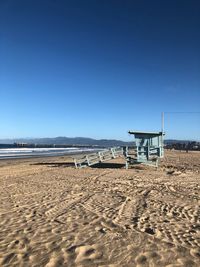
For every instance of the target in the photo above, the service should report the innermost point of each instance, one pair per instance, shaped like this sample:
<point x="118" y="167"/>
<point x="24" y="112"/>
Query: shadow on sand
<point x="71" y="164"/>
<point x="109" y="165"/>
<point x="55" y="164"/>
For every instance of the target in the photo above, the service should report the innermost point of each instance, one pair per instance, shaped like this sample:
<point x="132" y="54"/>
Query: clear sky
<point x="98" y="68"/>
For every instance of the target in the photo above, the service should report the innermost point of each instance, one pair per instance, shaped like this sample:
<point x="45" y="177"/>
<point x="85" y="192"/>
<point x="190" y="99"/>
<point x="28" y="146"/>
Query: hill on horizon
<point x="62" y="140"/>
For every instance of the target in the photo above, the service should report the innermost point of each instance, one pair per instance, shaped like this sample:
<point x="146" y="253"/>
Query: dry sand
<point x="52" y="214"/>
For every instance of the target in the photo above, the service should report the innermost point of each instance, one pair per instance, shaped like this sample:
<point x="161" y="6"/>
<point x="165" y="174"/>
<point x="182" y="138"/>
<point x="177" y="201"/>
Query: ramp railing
<point x="98" y="157"/>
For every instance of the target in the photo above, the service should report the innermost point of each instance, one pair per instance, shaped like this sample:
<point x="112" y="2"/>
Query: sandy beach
<point x="52" y="214"/>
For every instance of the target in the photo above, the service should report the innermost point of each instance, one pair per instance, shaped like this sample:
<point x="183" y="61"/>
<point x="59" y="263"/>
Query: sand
<point x="52" y="214"/>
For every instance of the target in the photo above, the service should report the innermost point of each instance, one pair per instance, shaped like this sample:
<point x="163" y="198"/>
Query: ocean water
<point x="36" y="152"/>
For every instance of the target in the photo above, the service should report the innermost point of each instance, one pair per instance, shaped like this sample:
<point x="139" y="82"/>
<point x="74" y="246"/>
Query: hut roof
<point x="146" y="133"/>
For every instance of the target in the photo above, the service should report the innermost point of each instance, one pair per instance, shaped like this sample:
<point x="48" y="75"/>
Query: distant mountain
<point x="68" y="141"/>
<point x="79" y="141"/>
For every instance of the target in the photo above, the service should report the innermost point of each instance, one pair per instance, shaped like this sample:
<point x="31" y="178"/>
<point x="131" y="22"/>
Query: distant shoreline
<point x="23" y="153"/>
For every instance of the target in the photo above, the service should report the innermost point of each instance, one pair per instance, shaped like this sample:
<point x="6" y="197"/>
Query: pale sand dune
<point x="54" y="215"/>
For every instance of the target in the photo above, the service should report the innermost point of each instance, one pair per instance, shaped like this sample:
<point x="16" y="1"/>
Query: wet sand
<point x="52" y="214"/>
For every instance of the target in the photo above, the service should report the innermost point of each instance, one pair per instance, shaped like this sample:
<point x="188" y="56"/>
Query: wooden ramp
<point x="98" y="157"/>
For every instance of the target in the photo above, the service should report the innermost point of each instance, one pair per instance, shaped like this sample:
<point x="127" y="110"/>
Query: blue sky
<point x="99" y="68"/>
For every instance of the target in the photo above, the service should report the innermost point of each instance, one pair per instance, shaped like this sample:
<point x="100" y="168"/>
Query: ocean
<point x="9" y="153"/>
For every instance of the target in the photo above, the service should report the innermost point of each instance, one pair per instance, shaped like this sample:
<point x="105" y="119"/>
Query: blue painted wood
<point x="149" y="145"/>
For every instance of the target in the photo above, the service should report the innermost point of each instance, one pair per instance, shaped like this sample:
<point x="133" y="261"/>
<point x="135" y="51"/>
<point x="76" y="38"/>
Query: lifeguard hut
<point x="149" y="148"/>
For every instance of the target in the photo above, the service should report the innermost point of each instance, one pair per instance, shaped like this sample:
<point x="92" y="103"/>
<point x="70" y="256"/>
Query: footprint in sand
<point x="87" y="253"/>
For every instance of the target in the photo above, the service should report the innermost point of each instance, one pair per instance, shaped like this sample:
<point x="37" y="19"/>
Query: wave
<point x="32" y="152"/>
